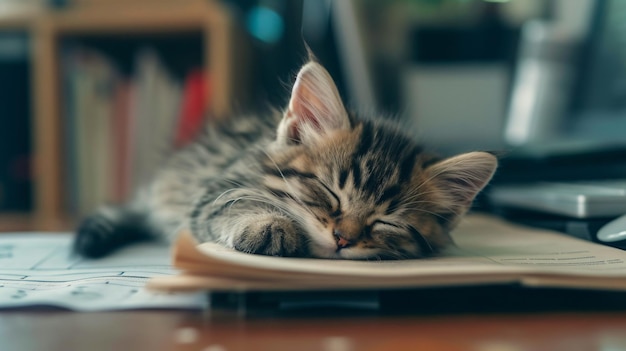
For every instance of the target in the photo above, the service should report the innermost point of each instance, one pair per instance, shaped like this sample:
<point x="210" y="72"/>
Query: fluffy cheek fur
<point x="382" y="241"/>
<point x="319" y="227"/>
<point x="296" y="199"/>
<point x="384" y="235"/>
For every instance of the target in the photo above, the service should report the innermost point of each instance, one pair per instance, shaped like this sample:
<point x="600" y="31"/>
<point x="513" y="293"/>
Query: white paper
<point x="39" y="269"/>
<point x="484" y="245"/>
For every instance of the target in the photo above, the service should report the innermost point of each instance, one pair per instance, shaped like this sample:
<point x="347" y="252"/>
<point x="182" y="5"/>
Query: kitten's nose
<point x="341" y="241"/>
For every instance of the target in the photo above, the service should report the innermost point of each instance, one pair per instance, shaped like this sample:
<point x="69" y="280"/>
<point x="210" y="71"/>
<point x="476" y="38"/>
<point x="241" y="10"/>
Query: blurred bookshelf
<point x="108" y="79"/>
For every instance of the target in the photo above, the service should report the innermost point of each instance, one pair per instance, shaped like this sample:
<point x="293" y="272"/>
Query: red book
<point x="193" y="107"/>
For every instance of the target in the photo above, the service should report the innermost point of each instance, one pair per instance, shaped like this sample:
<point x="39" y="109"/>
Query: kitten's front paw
<point x="272" y="236"/>
<point x="95" y="237"/>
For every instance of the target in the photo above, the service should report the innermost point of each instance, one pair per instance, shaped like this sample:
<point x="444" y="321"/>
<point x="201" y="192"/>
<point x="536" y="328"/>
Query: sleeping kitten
<point x="318" y="182"/>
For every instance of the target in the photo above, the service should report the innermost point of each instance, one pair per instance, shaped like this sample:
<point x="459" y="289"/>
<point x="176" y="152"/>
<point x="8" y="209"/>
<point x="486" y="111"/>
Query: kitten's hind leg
<point x="108" y="229"/>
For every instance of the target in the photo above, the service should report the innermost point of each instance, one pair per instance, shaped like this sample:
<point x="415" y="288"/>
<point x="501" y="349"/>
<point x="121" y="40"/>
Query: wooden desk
<point x="179" y="330"/>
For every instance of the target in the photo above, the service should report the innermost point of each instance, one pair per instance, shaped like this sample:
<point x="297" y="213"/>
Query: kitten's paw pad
<point x="272" y="237"/>
<point x="93" y="236"/>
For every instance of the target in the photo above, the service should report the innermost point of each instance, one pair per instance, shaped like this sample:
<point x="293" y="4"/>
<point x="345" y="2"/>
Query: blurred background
<point x="89" y="89"/>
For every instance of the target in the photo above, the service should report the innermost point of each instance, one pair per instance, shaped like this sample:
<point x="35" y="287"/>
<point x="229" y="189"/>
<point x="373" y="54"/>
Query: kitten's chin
<point x="325" y="247"/>
<point x="320" y="251"/>
<point x="345" y="254"/>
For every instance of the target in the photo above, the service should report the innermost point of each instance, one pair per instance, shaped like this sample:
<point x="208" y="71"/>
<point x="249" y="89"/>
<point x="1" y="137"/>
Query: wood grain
<point x="177" y="330"/>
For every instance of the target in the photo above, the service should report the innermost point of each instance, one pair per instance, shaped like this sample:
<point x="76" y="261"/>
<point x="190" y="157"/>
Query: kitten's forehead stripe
<point x="393" y="206"/>
<point x="343" y="176"/>
<point x="356" y="173"/>
<point x="367" y="136"/>
<point x="376" y="174"/>
<point x="384" y="157"/>
<point x="388" y="194"/>
<point x="408" y="163"/>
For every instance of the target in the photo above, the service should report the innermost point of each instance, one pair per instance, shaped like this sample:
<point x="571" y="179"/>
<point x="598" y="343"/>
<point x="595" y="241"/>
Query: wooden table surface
<point x="54" y="330"/>
<point x="194" y="330"/>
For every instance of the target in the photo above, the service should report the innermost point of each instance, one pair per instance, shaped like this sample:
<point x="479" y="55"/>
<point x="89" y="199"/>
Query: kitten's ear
<point x="459" y="179"/>
<point x="315" y="107"/>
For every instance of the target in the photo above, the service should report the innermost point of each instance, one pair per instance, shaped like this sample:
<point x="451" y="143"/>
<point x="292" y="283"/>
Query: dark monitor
<point x="598" y="109"/>
<point x="590" y="142"/>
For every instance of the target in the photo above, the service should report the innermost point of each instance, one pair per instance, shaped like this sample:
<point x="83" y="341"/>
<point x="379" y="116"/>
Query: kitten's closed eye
<point x="380" y="223"/>
<point x="335" y="203"/>
<point x="317" y="194"/>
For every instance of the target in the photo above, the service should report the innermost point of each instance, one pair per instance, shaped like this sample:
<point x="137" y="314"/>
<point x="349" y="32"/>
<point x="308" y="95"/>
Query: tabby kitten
<point x="320" y="182"/>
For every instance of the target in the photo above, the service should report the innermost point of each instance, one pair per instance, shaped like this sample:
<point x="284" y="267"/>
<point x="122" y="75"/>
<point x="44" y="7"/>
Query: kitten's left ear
<point x="460" y="178"/>
<point x="315" y="107"/>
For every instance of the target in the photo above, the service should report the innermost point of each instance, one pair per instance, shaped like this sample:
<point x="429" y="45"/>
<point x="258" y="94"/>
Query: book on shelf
<point x="119" y="127"/>
<point x="155" y="111"/>
<point x="192" y="107"/>
<point x="488" y="251"/>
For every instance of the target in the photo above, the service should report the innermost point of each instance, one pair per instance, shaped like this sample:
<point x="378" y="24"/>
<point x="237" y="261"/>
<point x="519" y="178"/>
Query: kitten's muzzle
<point x="347" y="232"/>
<point x="342" y="242"/>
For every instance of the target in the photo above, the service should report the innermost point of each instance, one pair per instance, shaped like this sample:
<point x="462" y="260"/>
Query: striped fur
<point x="316" y="181"/>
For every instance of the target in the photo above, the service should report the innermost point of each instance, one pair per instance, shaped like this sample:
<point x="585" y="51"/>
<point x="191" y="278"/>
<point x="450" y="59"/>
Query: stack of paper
<point x="489" y="251"/>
